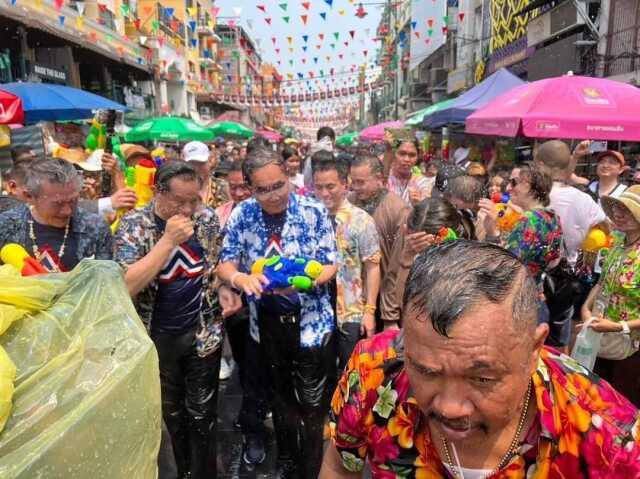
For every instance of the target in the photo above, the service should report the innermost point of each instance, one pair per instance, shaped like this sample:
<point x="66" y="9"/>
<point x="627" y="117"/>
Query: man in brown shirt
<point x="388" y="210"/>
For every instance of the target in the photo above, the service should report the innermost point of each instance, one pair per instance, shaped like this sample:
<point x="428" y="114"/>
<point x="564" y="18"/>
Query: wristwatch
<point x="625" y="327"/>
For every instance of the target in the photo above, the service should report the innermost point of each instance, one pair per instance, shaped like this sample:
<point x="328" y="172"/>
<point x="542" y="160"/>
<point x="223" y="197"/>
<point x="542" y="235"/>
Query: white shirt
<point x="594" y="186"/>
<point x="578" y="213"/>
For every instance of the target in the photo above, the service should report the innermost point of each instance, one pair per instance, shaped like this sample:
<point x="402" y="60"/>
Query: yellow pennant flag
<point x="193" y="11"/>
<point x="80" y="22"/>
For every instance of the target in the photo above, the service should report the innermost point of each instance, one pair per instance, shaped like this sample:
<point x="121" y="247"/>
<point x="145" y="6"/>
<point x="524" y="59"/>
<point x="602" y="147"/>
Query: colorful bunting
<point x="306" y="5"/>
<point x="58" y="4"/>
<point x="352" y="33"/>
<point x="323" y="15"/>
<point x="268" y="20"/>
<point x="283" y="6"/>
<point x="305" y="38"/>
<point x="61" y="19"/>
<point x="304" y="18"/>
<point x="286" y="19"/>
<point x="262" y="7"/>
<point x="329" y="2"/>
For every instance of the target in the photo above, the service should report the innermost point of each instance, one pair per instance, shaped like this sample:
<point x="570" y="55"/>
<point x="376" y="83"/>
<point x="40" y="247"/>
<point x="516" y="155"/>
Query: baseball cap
<point x="616" y="154"/>
<point x="195" y="151"/>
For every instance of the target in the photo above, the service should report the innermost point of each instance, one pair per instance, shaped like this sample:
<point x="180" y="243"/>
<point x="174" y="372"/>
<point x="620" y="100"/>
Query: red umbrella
<point x="10" y="108"/>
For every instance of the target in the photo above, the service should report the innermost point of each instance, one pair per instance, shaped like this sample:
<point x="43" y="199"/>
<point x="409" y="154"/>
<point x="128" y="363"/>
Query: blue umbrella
<point x="474" y="99"/>
<point x="49" y="102"/>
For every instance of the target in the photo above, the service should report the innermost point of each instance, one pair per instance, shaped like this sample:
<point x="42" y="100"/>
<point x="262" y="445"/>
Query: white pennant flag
<point x="80" y="7"/>
<point x="237" y="11"/>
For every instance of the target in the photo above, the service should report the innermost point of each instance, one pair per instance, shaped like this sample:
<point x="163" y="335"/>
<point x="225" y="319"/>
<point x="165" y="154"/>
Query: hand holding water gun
<point x="15" y="255"/>
<point x="507" y="217"/>
<point x="283" y="273"/>
<point x="141" y="179"/>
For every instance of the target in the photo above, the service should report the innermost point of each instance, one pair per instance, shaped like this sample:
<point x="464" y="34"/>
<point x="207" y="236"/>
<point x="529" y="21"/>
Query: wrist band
<point x="370" y="308"/>
<point x="233" y="279"/>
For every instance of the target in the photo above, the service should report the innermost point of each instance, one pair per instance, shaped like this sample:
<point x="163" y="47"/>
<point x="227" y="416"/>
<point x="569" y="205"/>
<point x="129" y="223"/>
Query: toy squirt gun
<point x="507" y="217"/>
<point x="15" y="255"/>
<point x="141" y="179"/>
<point x="284" y="273"/>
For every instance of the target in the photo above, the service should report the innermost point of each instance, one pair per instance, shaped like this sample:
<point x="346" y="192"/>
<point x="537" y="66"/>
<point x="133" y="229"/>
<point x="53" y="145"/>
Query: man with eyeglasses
<point x="168" y="250"/>
<point x="52" y="228"/>
<point x="294" y="327"/>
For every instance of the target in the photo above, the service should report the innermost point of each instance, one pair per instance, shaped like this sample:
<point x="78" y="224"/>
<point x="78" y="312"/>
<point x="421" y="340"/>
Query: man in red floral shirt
<point x="468" y="389"/>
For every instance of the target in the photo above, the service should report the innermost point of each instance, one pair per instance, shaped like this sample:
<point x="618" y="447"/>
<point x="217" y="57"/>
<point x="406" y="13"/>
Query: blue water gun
<point x="286" y="272"/>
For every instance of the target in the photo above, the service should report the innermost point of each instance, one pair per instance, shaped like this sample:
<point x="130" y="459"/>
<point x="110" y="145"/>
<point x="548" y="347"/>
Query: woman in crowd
<point x="401" y="157"/>
<point x="430" y="222"/>
<point x="536" y="237"/>
<point x="618" y="293"/>
<point x="497" y="185"/>
<point x="293" y="162"/>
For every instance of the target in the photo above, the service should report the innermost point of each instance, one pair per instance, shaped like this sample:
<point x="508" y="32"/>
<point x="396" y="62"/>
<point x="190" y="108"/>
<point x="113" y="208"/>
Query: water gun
<point x="596" y="240"/>
<point x="97" y="137"/>
<point x="159" y="156"/>
<point x="416" y="171"/>
<point x="15" y="255"/>
<point x="507" y="217"/>
<point x="286" y="272"/>
<point x="141" y="179"/>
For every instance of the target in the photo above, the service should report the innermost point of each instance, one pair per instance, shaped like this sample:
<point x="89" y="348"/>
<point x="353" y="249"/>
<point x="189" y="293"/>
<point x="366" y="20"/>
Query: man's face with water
<point x="471" y="384"/>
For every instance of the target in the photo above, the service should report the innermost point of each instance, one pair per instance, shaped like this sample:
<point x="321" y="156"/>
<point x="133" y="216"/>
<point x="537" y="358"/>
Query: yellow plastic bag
<point x="87" y="388"/>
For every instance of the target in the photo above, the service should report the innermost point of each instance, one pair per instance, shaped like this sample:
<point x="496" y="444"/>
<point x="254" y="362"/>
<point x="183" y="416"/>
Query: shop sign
<point x="51" y="73"/>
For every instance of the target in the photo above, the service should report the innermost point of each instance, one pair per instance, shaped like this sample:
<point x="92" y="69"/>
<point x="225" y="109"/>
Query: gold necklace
<point x="36" y="252"/>
<point x="513" y="448"/>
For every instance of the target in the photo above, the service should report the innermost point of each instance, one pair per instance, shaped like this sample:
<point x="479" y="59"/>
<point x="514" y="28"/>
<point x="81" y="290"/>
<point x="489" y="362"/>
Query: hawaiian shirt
<point x="621" y="281"/>
<point x="93" y="233"/>
<point x="307" y="232"/>
<point x="401" y="188"/>
<point x="583" y="428"/>
<point x="137" y="234"/>
<point x="218" y="192"/>
<point x="357" y="242"/>
<point x="536" y="239"/>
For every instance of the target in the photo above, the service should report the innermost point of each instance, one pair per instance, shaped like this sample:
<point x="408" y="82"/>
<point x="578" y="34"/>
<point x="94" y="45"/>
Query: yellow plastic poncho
<point x="86" y="402"/>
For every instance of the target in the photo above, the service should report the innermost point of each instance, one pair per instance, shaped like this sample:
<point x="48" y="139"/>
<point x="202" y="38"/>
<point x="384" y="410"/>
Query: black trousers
<point x="348" y="336"/>
<point x="189" y="386"/>
<point x="298" y="378"/>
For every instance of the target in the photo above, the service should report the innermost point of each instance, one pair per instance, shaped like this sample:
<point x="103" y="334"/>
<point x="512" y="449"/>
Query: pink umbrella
<point x="563" y="107"/>
<point x="270" y="135"/>
<point x="376" y="132"/>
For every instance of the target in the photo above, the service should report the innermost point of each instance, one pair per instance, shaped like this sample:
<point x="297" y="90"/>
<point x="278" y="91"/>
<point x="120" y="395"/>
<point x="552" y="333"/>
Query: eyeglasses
<point x="263" y="192"/>
<point x="513" y="182"/>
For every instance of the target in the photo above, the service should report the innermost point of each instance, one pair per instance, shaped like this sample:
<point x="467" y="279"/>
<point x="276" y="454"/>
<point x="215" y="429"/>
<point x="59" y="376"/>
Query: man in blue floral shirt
<point x="168" y="250"/>
<point x="294" y="328"/>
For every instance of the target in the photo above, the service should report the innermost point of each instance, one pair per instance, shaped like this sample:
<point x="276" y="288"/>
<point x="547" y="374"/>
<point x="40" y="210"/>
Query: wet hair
<point x="257" y="142"/>
<point x="288" y="152"/>
<point x="332" y="164"/>
<point x="447" y="280"/>
<point x="326" y="131"/>
<point x="235" y="166"/>
<point x="446" y="173"/>
<point x="432" y="214"/>
<point x="175" y="169"/>
<point x="18" y="172"/>
<point x="466" y="188"/>
<point x="321" y="156"/>
<point x="53" y="171"/>
<point x="539" y="182"/>
<point x="554" y="157"/>
<point x="373" y="162"/>
<point x="259" y="158"/>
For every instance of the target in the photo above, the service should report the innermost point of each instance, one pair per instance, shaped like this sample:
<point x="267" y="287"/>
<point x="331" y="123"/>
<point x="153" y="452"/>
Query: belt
<point x="288" y="318"/>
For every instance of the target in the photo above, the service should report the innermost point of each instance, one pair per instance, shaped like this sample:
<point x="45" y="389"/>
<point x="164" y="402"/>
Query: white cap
<point x="195" y="151"/>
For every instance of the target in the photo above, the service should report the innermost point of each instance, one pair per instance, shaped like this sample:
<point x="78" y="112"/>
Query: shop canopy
<point x="347" y="139"/>
<point x="168" y="128"/>
<point x="417" y="118"/>
<point x="375" y="133"/>
<point x="270" y="135"/>
<point x="477" y="97"/>
<point x="49" y="102"/>
<point x="230" y="129"/>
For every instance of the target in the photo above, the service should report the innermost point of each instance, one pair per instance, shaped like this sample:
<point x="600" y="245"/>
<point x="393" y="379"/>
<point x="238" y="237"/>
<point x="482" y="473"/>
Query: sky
<point x="341" y="19"/>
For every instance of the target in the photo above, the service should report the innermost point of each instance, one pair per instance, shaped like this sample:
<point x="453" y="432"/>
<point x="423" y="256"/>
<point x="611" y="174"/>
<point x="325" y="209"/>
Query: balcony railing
<point x="168" y="21"/>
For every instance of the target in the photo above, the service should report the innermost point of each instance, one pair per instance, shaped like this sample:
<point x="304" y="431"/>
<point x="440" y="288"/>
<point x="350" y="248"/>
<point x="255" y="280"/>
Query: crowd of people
<point x="448" y="293"/>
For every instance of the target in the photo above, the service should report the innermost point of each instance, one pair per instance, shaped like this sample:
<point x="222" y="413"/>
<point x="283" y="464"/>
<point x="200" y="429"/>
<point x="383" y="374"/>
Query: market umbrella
<point x="270" y="135"/>
<point x="473" y="99"/>
<point x="376" y="132"/>
<point x="347" y="139"/>
<point x="563" y="107"/>
<point x="168" y="128"/>
<point x="418" y="117"/>
<point x="230" y="129"/>
<point x="11" y="111"/>
<point x="49" y="102"/>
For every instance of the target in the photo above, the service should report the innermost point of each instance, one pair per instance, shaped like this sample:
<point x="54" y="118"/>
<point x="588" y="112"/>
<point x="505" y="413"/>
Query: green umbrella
<point x="231" y="129"/>
<point x="168" y="128"/>
<point x="347" y="139"/>
<point x="416" y="118"/>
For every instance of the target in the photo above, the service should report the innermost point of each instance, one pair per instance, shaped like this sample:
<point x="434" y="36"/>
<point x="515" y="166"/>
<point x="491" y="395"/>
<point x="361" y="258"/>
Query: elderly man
<point x="168" y="249"/>
<point x="54" y="229"/>
<point x="468" y="388"/>
<point x="294" y="327"/>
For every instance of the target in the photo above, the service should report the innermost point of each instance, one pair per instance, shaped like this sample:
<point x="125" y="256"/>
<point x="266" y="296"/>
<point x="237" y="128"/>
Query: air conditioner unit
<point x="555" y="22"/>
